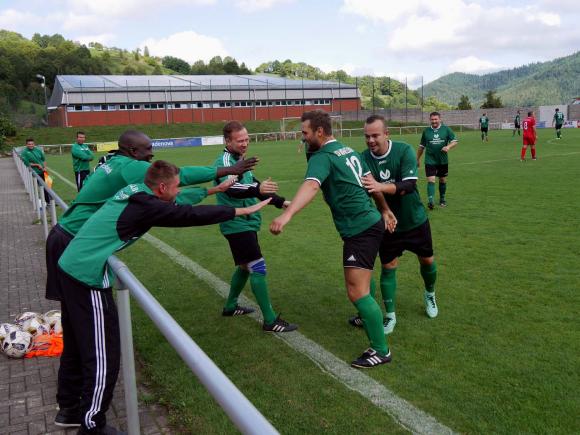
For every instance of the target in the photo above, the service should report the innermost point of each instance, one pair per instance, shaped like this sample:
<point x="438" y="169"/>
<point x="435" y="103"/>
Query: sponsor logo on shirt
<point x="343" y="151"/>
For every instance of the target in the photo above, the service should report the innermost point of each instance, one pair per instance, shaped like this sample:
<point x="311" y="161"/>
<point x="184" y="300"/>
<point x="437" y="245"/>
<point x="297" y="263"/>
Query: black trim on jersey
<point x="252" y="190"/>
<point x="144" y="211"/>
<point x="405" y="186"/>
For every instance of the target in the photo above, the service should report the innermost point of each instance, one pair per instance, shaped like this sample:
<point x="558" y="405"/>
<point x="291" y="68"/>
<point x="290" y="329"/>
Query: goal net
<point x="291" y="127"/>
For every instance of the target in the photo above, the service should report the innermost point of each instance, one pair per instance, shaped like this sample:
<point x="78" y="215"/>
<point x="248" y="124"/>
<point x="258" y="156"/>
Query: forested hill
<point x="553" y="82"/>
<point x="22" y="60"/>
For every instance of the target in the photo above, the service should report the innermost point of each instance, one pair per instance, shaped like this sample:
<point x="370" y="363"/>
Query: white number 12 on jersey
<point x="354" y="164"/>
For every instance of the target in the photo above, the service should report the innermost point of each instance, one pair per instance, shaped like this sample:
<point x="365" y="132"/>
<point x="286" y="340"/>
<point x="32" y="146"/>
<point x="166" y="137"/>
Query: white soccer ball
<point x="6" y="329"/>
<point x="52" y="316"/>
<point x="33" y="323"/>
<point x="16" y="344"/>
<point x="24" y="317"/>
<point x="57" y="327"/>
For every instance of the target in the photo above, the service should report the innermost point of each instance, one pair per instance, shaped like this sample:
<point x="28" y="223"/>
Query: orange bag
<point x="45" y="345"/>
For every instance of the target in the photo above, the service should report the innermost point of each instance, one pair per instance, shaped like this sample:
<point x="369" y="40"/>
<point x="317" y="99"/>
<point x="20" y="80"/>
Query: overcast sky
<point x="410" y="38"/>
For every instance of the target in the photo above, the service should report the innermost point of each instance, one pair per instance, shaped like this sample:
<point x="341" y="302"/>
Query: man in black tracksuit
<point x="86" y="280"/>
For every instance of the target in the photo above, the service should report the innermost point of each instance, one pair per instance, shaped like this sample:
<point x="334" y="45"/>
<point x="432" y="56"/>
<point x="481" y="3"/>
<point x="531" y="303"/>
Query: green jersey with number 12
<point x="339" y="169"/>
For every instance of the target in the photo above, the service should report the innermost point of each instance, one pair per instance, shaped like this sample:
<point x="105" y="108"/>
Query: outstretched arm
<point x="305" y="194"/>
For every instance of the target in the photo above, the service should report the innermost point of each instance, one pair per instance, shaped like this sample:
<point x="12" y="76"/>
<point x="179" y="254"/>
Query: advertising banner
<point x="212" y="140"/>
<point x="177" y="143"/>
<point x="106" y="146"/>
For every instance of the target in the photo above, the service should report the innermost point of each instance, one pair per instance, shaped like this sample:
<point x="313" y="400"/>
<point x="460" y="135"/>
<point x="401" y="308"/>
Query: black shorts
<point x="244" y="247"/>
<point x="437" y="170"/>
<point x="559" y="126"/>
<point x="484" y="129"/>
<point x="418" y="241"/>
<point x="57" y="241"/>
<point x="516" y="126"/>
<point x="360" y="251"/>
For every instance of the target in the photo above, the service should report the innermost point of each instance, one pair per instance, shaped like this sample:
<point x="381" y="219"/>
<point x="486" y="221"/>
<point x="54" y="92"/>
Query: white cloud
<point x="189" y="46"/>
<point x="427" y="28"/>
<point x="123" y="8"/>
<point x="258" y="5"/>
<point x="11" y="19"/>
<point x="472" y="64"/>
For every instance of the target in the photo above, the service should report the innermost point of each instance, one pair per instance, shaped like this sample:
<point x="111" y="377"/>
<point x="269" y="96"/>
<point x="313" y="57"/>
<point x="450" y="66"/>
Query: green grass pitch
<point x="502" y="357"/>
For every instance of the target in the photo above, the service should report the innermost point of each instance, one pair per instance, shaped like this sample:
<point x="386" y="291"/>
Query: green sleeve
<point x="423" y="141"/>
<point x="42" y="158"/>
<point x="189" y="175"/>
<point x="450" y="135"/>
<point x="318" y="168"/>
<point x="134" y="172"/>
<point x="191" y="196"/>
<point x="81" y="154"/>
<point x="25" y="159"/>
<point x="409" y="164"/>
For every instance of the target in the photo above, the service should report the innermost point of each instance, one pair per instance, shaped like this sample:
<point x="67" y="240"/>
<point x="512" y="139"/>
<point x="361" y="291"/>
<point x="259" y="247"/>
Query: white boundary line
<point x="406" y="414"/>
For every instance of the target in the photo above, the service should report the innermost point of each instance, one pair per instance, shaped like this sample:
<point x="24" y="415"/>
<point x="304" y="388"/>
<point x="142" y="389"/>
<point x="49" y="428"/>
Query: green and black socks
<point x="431" y="192"/>
<point x="429" y="274"/>
<point x="259" y="288"/>
<point x="239" y="279"/>
<point x="442" y="191"/>
<point x="372" y="317"/>
<point x="389" y="288"/>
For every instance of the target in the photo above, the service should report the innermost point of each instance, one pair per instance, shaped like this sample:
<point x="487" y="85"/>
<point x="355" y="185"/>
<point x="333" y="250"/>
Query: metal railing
<point x="239" y="409"/>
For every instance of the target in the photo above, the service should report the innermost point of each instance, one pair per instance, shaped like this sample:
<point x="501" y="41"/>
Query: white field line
<point x="406" y="414"/>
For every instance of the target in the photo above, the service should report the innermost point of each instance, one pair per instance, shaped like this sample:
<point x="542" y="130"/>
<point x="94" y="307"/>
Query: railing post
<point x="53" y="212"/>
<point x="36" y="198"/>
<point x="43" y="212"/>
<point x="128" y="358"/>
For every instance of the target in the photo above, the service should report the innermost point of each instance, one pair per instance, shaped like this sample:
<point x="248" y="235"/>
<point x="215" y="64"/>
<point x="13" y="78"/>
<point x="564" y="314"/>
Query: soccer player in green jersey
<point x="88" y="372"/>
<point x="558" y="121"/>
<point x="242" y="233"/>
<point x="517" y="124"/>
<point x="436" y="142"/>
<point x="81" y="156"/>
<point x="337" y="170"/>
<point x="484" y="126"/>
<point x="394" y="173"/>
<point x="33" y="157"/>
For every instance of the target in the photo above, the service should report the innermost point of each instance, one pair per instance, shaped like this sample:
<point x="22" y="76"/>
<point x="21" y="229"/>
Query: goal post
<point x="291" y="126"/>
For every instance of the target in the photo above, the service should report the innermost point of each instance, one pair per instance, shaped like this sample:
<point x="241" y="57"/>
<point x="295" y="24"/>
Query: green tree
<point x="464" y="103"/>
<point x="491" y="101"/>
<point x="176" y="64"/>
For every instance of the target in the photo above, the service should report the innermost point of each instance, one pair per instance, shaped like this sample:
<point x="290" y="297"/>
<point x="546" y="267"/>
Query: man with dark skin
<point x="129" y="166"/>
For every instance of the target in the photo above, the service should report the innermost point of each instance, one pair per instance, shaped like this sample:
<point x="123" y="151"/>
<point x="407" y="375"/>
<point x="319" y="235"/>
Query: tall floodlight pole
<point x="43" y="84"/>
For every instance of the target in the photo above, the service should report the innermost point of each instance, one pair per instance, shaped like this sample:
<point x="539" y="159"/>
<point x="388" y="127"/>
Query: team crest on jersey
<point x="385" y="175"/>
<point x="436" y="136"/>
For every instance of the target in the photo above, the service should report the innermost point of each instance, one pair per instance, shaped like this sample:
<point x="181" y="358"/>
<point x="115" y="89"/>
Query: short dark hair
<point x="434" y="114"/>
<point x="374" y="118"/>
<point x="81" y="132"/>
<point x="232" y="127"/>
<point x="557" y="109"/>
<point x="530" y="113"/>
<point x="160" y="171"/>
<point x="318" y="118"/>
<point x="29" y="140"/>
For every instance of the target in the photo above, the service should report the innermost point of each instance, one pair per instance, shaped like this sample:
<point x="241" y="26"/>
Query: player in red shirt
<point x="529" y="127"/>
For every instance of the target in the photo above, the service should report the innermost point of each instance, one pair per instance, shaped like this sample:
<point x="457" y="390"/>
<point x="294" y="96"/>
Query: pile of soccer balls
<point x="16" y="339"/>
